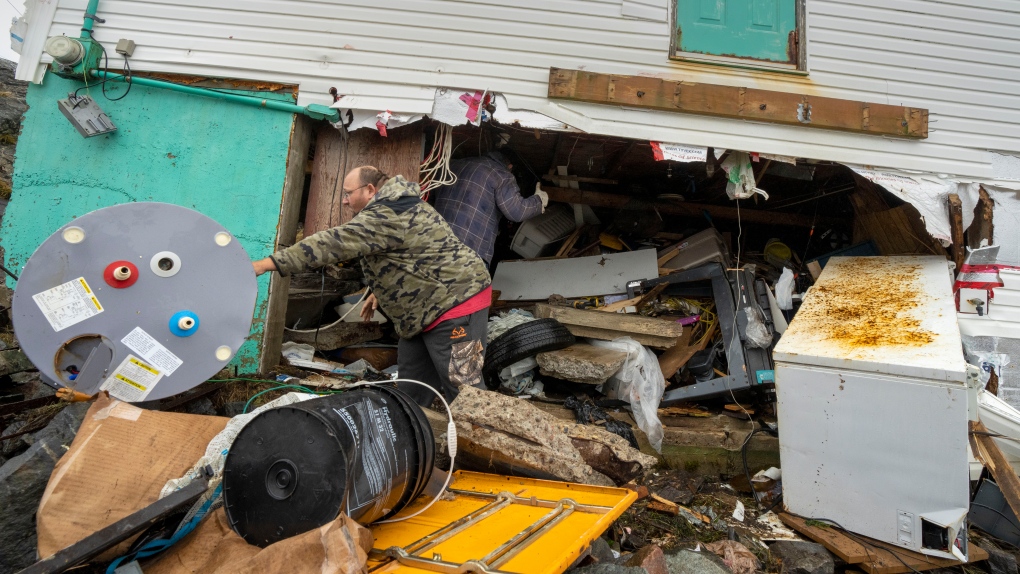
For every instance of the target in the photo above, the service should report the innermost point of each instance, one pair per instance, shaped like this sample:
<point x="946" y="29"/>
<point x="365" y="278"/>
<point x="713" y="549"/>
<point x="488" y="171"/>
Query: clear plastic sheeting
<point x="758" y="334"/>
<point x="784" y="290"/>
<point x="982" y="353"/>
<point x="641" y="383"/>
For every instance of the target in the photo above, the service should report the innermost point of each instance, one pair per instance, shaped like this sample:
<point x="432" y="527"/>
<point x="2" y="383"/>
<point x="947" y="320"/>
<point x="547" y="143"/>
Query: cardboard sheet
<point x="340" y="547"/>
<point x="119" y="460"/>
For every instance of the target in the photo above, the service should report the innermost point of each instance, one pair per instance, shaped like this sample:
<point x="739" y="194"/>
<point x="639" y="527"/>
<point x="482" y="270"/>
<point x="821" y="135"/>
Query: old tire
<point x="521" y="342"/>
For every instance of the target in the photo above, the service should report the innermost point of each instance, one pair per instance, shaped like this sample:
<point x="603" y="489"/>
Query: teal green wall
<point x="223" y="159"/>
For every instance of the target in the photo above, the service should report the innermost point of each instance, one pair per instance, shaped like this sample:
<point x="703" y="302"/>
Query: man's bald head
<point x="367" y="174"/>
<point x="361" y="185"/>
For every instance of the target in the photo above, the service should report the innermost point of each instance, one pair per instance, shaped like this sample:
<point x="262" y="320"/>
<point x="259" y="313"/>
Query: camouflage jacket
<point x="413" y="262"/>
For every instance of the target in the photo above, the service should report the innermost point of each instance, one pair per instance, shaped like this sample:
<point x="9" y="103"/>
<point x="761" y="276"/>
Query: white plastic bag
<point x="740" y="182"/>
<point x="757" y="333"/>
<point x="784" y="290"/>
<point x="640" y="380"/>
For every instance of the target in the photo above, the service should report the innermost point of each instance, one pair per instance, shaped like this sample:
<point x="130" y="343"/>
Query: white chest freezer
<point x="872" y="404"/>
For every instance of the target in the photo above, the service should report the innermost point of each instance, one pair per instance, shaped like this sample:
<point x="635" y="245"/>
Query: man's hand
<point x="368" y="309"/>
<point x="263" y="265"/>
<point x="542" y="195"/>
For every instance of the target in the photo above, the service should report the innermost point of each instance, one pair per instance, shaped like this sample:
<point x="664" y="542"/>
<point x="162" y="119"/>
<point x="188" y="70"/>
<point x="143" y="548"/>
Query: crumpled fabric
<point x="506" y="321"/>
<point x="740" y="182"/>
<point x="735" y="555"/>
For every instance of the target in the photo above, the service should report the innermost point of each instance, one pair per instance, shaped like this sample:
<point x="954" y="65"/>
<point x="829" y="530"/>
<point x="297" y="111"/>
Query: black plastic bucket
<point x="366" y="452"/>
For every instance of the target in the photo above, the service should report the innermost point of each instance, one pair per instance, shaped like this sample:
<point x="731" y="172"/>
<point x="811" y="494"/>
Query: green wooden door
<point x="752" y="29"/>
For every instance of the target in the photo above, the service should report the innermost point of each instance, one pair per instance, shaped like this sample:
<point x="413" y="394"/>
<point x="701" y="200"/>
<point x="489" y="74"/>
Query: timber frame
<point x="739" y="103"/>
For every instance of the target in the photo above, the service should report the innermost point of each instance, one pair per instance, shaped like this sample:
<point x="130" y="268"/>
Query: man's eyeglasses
<point x="347" y="193"/>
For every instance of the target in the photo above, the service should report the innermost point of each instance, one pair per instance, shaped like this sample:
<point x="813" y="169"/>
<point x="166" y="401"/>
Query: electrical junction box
<point x="86" y="116"/>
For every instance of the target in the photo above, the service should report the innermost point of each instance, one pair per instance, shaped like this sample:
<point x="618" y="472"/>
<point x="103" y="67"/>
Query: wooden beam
<point x="739" y="103"/>
<point x="608" y="326"/>
<point x="559" y="178"/>
<point x="286" y="231"/>
<point x="986" y="451"/>
<point x="982" y="228"/>
<point x="956" y="230"/>
<point x="747" y="214"/>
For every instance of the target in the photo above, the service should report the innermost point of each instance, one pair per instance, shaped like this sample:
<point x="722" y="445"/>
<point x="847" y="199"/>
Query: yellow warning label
<point x="124" y="379"/>
<point x="96" y="303"/>
<point x="85" y="285"/>
<point x="144" y="366"/>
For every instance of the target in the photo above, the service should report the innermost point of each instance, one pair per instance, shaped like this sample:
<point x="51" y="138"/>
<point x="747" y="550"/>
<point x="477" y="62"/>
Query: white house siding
<point x="960" y="61"/>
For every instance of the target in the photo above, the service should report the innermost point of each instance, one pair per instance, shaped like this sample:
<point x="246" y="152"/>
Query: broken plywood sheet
<point x="650" y="332"/>
<point x="536" y="280"/>
<point x="581" y="363"/>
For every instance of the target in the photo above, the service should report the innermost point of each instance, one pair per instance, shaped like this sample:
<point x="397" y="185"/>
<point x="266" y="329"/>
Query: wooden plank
<point x="397" y="154"/>
<point x="677" y="356"/>
<point x="986" y="451"/>
<point x="873" y="556"/>
<point x="956" y="230"/>
<point x="739" y="103"/>
<point x="290" y="211"/>
<point x="608" y="326"/>
<point x="688" y="209"/>
<point x="619" y="305"/>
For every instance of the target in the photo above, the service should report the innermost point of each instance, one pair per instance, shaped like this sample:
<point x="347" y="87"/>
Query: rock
<point x="31" y="385"/>
<point x="14" y="361"/>
<point x="650" y="558"/>
<point x="601" y="551"/>
<point x="232" y="409"/>
<point x="581" y="363"/>
<point x="999" y="561"/>
<point x="22" y="482"/>
<point x="202" y="406"/>
<point x="607" y="569"/>
<point x="690" y="562"/>
<point x="797" y="557"/>
<point x="13" y="446"/>
<point x="12" y="99"/>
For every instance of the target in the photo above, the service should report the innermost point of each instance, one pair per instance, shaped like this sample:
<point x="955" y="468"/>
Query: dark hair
<point x="372" y="176"/>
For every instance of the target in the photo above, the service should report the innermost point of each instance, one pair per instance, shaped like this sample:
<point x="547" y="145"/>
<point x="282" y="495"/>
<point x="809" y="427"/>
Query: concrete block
<point x="581" y="363"/>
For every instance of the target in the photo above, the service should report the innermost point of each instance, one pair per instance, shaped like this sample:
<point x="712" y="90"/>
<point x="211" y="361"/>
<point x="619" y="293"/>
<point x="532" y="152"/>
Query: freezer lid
<point x="891" y="315"/>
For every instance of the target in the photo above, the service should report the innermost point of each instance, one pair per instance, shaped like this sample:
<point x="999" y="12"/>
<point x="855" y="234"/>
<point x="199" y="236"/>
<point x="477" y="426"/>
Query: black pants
<point x="446" y="357"/>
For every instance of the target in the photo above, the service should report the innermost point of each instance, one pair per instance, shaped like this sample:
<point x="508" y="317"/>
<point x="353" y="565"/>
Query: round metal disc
<point x="83" y="333"/>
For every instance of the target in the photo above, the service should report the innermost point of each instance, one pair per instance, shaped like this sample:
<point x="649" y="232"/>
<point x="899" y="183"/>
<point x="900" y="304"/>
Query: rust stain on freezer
<point x="871" y="307"/>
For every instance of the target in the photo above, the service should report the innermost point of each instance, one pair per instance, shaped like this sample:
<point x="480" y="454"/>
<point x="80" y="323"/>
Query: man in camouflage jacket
<point x="419" y="273"/>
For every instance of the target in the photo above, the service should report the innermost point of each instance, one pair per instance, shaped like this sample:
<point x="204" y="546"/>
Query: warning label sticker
<point x="152" y="351"/>
<point x="68" y="304"/>
<point x="132" y="381"/>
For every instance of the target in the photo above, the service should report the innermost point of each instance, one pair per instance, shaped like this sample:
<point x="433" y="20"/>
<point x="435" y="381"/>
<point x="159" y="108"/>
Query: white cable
<point x="435" y="169"/>
<point x="733" y="328"/>
<point x="451" y="442"/>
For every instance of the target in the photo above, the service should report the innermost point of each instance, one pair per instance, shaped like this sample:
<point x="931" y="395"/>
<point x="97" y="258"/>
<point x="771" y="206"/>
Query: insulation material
<point x="372" y="119"/>
<point x="525" y="118"/>
<point x="458" y="107"/>
<point x="928" y="193"/>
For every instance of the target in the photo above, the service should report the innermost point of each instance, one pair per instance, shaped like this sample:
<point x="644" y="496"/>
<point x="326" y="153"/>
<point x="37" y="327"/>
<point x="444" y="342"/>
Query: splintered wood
<point x="872" y="556"/>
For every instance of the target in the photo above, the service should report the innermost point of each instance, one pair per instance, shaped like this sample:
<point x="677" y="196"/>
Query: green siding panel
<point x="222" y="159"/>
<point x="754" y="29"/>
